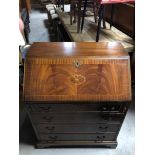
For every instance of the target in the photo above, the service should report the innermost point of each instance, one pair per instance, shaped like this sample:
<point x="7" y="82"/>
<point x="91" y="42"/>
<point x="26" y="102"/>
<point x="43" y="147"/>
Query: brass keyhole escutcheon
<point x="77" y="63"/>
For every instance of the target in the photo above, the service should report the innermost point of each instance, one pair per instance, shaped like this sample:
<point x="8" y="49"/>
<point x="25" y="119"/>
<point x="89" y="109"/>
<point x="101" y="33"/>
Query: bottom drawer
<point x="83" y="137"/>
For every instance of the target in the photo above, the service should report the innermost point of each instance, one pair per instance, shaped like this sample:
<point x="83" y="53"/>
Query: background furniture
<point x="114" y="15"/>
<point x="121" y="16"/>
<point x="77" y="94"/>
<point x="76" y="10"/>
<point x="46" y="2"/>
<point x="62" y="3"/>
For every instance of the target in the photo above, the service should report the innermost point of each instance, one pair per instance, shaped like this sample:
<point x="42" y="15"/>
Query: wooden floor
<point x="89" y="32"/>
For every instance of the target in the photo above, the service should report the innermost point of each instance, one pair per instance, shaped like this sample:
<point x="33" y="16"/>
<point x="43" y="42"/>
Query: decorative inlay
<point x="78" y="79"/>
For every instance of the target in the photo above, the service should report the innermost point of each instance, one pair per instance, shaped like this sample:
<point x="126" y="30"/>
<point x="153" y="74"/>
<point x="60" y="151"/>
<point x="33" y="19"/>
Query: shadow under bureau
<point x="77" y="94"/>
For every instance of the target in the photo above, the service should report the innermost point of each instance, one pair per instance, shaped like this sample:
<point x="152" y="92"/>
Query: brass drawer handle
<point x="50" y="128"/>
<point x="113" y="108"/>
<point x="125" y="109"/>
<point x="104" y="108"/>
<point x="110" y="108"/>
<point x="100" y="137"/>
<point x="45" y="108"/>
<point x="48" y="118"/>
<point x="103" y="128"/>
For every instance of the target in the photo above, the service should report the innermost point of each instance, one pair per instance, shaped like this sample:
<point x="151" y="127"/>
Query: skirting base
<point x="75" y="144"/>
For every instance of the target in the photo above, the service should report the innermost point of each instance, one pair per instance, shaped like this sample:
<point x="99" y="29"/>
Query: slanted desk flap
<point x="77" y="72"/>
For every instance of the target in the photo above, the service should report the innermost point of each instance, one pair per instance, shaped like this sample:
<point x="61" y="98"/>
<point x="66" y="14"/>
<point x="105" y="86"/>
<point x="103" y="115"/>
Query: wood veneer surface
<point x="69" y="49"/>
<point x="77" y="72"/>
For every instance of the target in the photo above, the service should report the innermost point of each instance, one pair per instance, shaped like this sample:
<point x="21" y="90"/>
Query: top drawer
<point x="78" y="107"/>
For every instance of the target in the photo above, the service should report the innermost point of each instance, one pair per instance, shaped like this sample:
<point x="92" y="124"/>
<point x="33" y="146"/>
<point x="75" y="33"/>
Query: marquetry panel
<point x="63" y="80"/>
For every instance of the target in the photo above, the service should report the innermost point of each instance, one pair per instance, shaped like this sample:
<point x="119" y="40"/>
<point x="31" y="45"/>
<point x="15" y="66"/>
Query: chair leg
<point x="71" y="12"/>
<point x="83" y="15"/>
<point x="104" y="25"/>
<point x="58" y="3"/>
<point x="62" y="3"/>
<point x="79" y="16"/>
<point x="94" y="10"/>
<point x="112" y="12"/>
<point x="103" y="17"/>
<point x="101" y="9"/>
<point x="74" y="8"/>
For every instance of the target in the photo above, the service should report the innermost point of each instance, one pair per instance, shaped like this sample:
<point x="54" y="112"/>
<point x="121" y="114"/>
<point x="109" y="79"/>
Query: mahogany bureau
<point x="77" y="94"/>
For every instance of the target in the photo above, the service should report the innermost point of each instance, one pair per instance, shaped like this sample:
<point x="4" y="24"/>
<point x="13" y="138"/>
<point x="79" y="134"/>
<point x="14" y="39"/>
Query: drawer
<point x="75" y="107"/>
<point x="76" y="137"/>
<point x="82" y="117"/>
<point x="77" y="128"/>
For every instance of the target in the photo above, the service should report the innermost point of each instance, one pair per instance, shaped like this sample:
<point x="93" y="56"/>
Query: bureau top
<point x="72" y="49"/>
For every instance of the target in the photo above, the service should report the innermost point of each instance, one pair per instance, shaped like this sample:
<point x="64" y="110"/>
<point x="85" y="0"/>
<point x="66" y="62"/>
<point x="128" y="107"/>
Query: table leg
<point x="79" y="16"/>
<point x="58" y="3"/>
<point x="71" y="12"/>
<point x="62" y="3"/>
<point x="112" y="12"/>
<point x="74" y="9"/>
<point x="94" y="9"/>
<point x="101" y="10"/>
<point x="83" y="15"/>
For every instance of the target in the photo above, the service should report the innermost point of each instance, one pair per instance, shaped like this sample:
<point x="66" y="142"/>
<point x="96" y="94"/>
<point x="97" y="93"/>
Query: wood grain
<point x="51" y="73"/>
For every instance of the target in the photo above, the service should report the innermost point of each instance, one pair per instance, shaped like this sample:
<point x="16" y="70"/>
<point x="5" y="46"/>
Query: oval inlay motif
<point x="78" y="79"/>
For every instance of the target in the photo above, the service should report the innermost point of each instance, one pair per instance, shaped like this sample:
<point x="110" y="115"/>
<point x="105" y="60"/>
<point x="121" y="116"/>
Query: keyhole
<point x="77" y="64"/>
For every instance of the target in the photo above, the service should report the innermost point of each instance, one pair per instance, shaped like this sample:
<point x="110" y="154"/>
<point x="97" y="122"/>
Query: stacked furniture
<point x="77" y="94"/>
<point x="51" y="12"/>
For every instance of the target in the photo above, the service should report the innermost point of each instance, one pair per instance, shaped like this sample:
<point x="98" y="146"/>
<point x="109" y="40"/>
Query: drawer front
<point x="77" y="128"/>
<point x="78" y="107"/>
<point x="83" y="137"/>
<point x="87" y="117"/>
